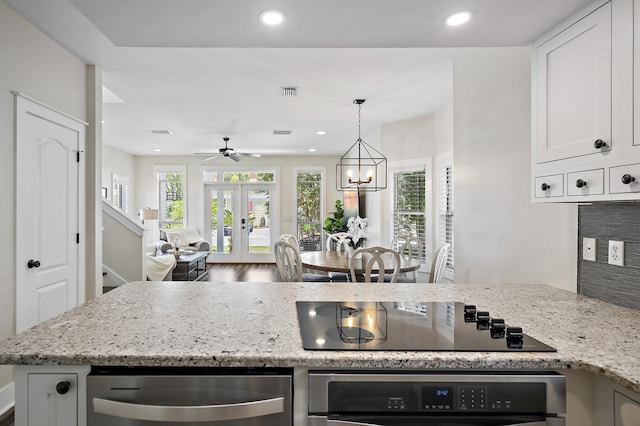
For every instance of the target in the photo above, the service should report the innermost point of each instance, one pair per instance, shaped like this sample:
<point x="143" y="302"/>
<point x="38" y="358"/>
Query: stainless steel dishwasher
<point x="143" y="396"/>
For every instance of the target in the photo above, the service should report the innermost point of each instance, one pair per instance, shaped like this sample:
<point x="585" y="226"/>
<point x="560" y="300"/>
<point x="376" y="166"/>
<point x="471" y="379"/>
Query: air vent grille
<point x="161" y="132"/>
<point x="282" y="132"/>
<point x="289" y="92"/>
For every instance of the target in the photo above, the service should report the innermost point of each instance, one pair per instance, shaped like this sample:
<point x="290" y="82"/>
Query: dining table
<point x="338" y="261"/>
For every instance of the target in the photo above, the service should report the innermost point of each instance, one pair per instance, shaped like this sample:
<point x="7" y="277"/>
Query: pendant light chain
<point x="359" y="108"/>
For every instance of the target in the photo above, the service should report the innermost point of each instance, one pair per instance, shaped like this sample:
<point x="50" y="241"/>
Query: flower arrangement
<point x="357" y="229"/>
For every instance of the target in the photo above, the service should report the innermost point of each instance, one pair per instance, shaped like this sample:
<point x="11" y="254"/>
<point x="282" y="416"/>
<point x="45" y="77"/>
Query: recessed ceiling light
<point x="321" y="132"/>
<point x="312" y="150"/>
<point x="157" y="150"/>
<point x="458" y="18"/>
<point x="272" y="17"/>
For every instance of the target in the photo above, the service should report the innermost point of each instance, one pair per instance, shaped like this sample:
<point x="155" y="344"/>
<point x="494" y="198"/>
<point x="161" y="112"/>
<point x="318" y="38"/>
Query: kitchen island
<point x="255" y="324"/>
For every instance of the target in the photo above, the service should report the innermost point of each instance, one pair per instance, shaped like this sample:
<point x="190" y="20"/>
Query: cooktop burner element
<point x="409" y="326"/>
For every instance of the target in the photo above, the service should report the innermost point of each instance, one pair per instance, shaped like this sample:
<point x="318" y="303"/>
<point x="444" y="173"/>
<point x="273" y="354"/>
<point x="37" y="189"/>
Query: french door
<point x="240" y="221"/>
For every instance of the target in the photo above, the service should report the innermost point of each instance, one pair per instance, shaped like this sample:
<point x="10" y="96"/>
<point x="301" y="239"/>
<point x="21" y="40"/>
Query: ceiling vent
<point x="289" y="92"/>
<point x="282" y="132"/>
<point x="162" y="132"/>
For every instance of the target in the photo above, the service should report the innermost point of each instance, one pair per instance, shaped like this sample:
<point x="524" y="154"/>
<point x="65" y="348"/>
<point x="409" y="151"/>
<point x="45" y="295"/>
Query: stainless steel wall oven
<point x="442" y="398"/>
<point x="118" y="396"/>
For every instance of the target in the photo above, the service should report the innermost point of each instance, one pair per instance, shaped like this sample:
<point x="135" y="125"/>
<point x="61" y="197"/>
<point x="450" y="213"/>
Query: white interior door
<point x="239" y="220"/>
<point x="49" y="206"/>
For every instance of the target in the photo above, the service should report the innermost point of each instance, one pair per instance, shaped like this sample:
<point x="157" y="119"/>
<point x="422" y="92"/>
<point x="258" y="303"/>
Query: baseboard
<point x="7" y="398"/>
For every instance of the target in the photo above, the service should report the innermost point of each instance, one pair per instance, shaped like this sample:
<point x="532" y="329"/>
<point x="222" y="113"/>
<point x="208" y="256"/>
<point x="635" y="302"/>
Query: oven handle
<point x="197" y="413"/>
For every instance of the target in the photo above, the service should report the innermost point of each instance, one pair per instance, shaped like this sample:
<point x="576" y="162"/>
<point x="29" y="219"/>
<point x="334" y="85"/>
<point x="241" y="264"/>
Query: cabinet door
<point x="626" y="410"/>
<point x="51" y="401"/>
<point x="573" y="89"/>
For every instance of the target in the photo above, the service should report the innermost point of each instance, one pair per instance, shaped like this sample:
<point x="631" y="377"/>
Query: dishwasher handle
<point x="196" y="413"/>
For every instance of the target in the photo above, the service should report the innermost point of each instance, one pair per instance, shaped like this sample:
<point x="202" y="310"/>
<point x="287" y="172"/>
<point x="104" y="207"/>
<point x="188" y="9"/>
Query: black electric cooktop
<point x="409" y="326"/>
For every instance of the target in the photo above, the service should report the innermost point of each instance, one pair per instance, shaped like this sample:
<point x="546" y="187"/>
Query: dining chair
<point x="338" y="242"/>
<point x="408" y="245"/>
<point x="289" y="265"/>
<point x="291" y="239"/>
<point x="372" y="258"/>
<point x="438" y="263"/>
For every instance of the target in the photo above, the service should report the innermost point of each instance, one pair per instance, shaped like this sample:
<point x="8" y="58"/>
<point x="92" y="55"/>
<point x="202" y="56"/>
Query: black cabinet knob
<point x="599" y="144"/>
<point x="33" y="264"/>
<point x="581" y="183"/>
<point x="545" y="186"/>
<point x="63" y="387"/>
<point x="627" y="179"/>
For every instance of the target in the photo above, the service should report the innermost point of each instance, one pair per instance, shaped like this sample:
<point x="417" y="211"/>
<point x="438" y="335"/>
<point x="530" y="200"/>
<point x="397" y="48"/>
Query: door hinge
<point x="78" y="238"/>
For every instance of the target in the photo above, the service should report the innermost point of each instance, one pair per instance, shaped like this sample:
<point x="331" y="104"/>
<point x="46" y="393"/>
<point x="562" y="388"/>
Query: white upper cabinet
<point x="586" y="106"/>
<point x="574" y="89"/>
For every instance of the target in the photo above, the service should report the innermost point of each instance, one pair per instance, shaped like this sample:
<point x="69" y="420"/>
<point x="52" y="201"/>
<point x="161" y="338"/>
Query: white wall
<point x="121" y="163"/>
<point x="500" y="236"/>
<point x="31" y="63"/>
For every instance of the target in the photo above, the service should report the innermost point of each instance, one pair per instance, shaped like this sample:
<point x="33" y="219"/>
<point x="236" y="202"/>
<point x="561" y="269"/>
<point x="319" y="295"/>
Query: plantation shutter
<point x="445" y="212"/>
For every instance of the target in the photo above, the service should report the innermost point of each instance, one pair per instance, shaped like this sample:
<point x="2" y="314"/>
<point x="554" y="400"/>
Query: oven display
<point x="437" y="398"/>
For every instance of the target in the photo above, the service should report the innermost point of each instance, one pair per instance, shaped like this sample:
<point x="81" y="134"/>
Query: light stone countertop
<point x="255" y="324"/>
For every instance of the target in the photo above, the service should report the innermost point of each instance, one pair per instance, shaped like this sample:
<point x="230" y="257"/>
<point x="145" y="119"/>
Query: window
<point x="410" y="206"/>
<point x="445" y="209"/>
<point x="119" y="192"/>
<point x="309" y="193"/>
<point x="171" y="198"/>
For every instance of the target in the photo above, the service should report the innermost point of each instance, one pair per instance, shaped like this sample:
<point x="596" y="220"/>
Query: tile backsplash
<point x="599" y="279"/>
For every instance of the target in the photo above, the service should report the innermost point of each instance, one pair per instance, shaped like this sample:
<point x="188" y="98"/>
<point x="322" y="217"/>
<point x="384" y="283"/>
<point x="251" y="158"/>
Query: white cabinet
<point x="574" y="89"/>
<point x="53" y="399"/>
<point x="51" y="395"/>
<point x="586" y="106"/>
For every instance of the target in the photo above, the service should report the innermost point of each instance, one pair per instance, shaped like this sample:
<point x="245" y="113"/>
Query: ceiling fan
<point x="226" y="151"/>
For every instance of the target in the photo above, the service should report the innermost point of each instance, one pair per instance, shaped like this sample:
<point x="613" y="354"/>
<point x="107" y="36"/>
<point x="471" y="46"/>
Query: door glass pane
<point x="258" y="222"/>
<point x="309" y="219"/>
<point x="222" y="221"/>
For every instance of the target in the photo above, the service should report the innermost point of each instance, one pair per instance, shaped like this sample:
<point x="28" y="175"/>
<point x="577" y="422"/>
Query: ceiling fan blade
<point x="234" y="157"/>
<point x="211" y="158"/>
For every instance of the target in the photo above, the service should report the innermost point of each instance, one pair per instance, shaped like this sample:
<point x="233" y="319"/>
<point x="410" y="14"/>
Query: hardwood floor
<point x="237" y="272"/>
<point x="6" y="419"/>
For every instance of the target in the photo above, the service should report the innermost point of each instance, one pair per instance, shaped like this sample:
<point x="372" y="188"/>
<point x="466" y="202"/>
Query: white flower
<point x="357" y="228"/>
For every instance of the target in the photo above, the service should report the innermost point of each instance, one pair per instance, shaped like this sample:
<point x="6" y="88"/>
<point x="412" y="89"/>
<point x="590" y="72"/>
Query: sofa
<point x="159" y="267"/>
<point x="181" y="238"/>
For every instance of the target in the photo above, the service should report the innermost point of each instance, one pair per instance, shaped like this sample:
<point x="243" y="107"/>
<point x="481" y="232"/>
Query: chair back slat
<point x="372" y="258"/>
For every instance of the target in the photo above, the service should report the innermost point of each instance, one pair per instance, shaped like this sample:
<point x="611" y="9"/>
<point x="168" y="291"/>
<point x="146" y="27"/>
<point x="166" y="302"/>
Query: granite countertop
<point x="255" y="324"/>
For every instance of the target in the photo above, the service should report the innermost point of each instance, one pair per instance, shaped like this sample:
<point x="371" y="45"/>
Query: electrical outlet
<point x="589" y="249"/>
<point x="616" y="253"/>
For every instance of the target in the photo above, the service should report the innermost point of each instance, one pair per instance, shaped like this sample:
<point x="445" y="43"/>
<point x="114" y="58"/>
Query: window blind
<point x="409" y="205"/>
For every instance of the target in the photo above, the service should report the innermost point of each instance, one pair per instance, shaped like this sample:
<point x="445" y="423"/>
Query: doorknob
<point x="33" y="264"/>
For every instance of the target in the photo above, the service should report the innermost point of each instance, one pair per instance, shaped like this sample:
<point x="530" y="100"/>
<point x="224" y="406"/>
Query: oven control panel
<point x="434" y="397"/>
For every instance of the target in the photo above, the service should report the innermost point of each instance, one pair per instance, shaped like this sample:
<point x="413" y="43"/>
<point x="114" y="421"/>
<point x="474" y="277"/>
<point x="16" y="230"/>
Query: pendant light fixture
<point x="362" y="167"/>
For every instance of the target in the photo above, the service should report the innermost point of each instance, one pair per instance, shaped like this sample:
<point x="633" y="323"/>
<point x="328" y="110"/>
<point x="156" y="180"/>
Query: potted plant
<point x="336" y="221"/>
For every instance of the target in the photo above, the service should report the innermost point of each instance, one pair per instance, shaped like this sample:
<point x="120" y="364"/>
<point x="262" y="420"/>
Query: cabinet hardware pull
<point x="545" y="186"/>
<point x="580" y="183"/>
<point x="627" y="179"/>
<point x="599" y="144"/>
<point x="63" y="387"/>
<point x="195" y="413"/>
<point x="33" y="264"/>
